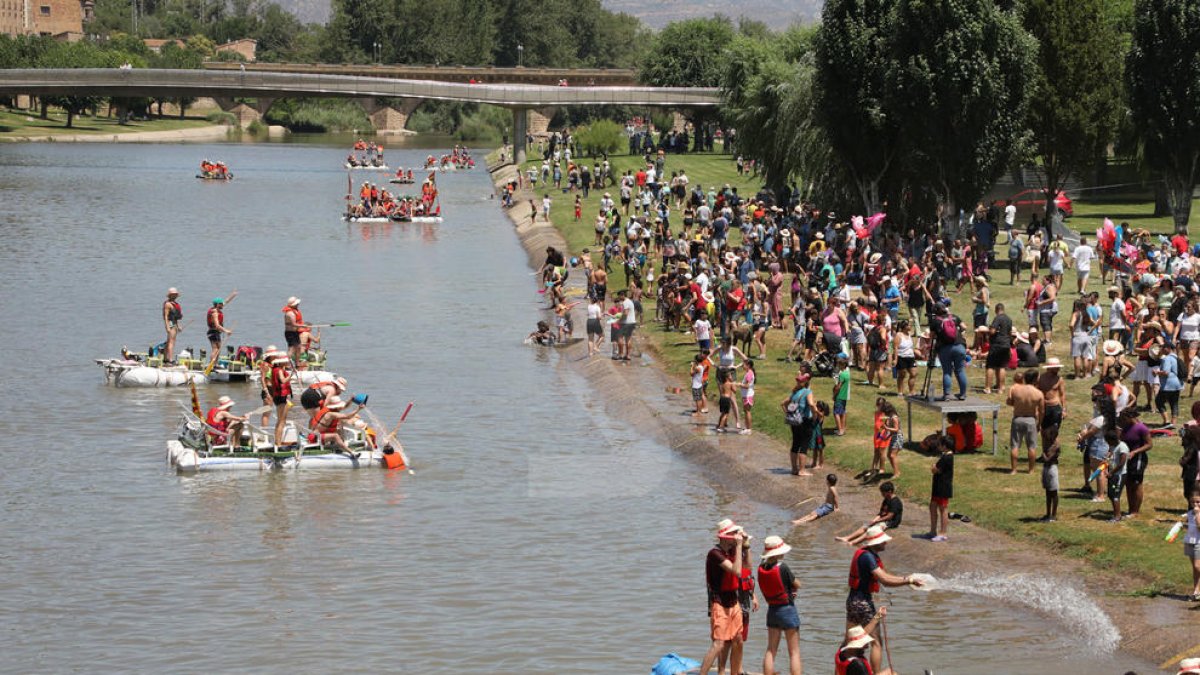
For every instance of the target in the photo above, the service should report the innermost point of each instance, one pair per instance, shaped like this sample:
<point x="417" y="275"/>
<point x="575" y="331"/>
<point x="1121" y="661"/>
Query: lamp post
<point x="520" y="55"/>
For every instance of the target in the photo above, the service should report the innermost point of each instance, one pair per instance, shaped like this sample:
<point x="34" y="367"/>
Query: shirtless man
<point x="599" y="284"/>
<point x="1029" y="407"/>
<point x="1054" y="389"/>
<point x="172" y="313"/>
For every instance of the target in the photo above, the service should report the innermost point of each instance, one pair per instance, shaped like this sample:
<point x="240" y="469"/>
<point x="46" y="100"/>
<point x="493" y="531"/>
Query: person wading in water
<point x="866" y="577"/>
<point x="722" y="573"/>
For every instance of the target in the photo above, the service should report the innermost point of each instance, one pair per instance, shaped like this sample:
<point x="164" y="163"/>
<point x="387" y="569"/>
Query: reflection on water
<point x="538" y="535"/>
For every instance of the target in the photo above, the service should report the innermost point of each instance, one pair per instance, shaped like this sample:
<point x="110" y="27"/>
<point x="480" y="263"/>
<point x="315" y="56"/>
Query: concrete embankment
<point x="640" y="393"/>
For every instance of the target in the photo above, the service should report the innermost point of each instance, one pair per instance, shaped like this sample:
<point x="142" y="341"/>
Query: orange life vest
<point x="393" y="460"/>
<point x="297" y="318"/>
<point x="320" y="425"/>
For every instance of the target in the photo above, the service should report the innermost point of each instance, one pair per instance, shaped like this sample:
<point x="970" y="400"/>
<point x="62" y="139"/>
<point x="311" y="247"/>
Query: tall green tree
<point x="853" y="67"/>
<point x="1163" y="75"/>
<point x="959" y="88"/>
<point x="1073" y="115"/>
<point x="753" y="84"/>
<point x="687" y="54"/>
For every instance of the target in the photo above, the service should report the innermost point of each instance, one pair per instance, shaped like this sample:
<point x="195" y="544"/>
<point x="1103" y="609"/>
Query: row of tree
<point x="921" y="105"/>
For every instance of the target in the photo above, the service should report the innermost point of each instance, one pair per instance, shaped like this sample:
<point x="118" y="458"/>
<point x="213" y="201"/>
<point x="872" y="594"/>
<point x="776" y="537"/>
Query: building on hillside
<point x="155" y="45"/>
<point x="247" y="48"/>
<point x="62" y="19"/>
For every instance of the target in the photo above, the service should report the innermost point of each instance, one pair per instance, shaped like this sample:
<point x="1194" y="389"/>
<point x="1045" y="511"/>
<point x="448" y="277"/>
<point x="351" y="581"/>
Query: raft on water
<point x="369" y="167"/>
<point x="386" y="219"/>
<point x="128" y="373"/>
<point x="192" y="452"/>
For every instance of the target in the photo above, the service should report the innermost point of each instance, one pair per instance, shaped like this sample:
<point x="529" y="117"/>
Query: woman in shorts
<point x="904" y="358"/>
<point x="595" y="331"/>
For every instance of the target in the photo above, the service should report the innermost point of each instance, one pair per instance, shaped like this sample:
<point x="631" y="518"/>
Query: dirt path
<point x="214" y="132"/>
<point x="1162" y="629"/>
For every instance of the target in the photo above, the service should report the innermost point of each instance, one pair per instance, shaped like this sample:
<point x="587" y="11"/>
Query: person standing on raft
<point x="216" y="326"/>
<point x="172" y="314"/>
<point x="866" y="576"/>
<point x="297" y="333"/>
<point x="722" y="573"/>
<point x="279" y="388"/>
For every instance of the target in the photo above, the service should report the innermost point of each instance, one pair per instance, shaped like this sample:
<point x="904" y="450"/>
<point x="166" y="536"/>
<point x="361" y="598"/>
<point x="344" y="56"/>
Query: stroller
<point x="823" y="364"/>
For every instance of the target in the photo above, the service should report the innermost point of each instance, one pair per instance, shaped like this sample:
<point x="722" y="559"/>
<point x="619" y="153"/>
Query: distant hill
<point x="656" y="14"/>
<point x="777" y="14"/>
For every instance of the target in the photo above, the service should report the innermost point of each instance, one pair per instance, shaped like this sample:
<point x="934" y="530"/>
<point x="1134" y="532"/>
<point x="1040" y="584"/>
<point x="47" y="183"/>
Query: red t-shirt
<point x="1180" y="243"/>
<point x="640" y="178"/>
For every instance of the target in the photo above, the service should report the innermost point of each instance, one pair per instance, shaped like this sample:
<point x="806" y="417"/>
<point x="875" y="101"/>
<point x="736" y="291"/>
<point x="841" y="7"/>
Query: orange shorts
<point x="726" y="622"/>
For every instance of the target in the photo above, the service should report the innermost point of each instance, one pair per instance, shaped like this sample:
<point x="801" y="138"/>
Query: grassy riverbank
<point x="983" y="488"/>
<point x="22" y="124"/>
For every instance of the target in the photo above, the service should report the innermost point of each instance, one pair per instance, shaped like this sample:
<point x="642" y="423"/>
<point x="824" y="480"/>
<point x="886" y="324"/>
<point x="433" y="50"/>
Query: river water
<point x="537" y="535"/>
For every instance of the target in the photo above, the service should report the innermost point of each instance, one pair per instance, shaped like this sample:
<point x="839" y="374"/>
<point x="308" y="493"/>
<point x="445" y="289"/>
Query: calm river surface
<point x="537" y="535"/>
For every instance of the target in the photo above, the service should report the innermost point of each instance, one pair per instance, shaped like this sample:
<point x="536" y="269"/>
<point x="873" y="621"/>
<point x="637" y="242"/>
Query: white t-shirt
<point x="1083" y="257"/>
<point x="702" y="280"/>
<point x="1189" y="327"/>
<point x="594" y="311"/>
<point x="703" y="329"/>
<point x="1010" y="216"/>
<point x="1116" y="315"/>
<point x="629" y="313"/>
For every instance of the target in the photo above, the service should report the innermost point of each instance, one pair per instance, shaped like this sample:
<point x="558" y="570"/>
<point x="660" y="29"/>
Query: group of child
<point x="729" y="391"/>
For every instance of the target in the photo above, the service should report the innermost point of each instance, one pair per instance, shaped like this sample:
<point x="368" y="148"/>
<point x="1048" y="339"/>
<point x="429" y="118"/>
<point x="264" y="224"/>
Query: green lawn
<point x="983" y="489"/>
<point x="19" y="123"/>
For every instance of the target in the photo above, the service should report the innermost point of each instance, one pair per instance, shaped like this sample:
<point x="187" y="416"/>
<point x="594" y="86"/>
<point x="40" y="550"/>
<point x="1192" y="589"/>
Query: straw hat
<point x="774" y="546"/>
<point x="335" y="403"/>
<point x="1023" y="337"/>
<point x="857" y="638"/>
<point x="727" y="529"/>
<point x="224" y="403"/>
<point x="172" y="291"/>
<point x="1112" y="348"/>
<point x="980" y="279"/>
<point x="875" y="537"/>
<point x="982" y="329"/>
<point x="819" y="235"/>
<point x="1052" y="363"/>
<point x="1189" y="667"/>
<point x="875" y="257"/>
<point x="340" y="383"/>
<point x="1114" y="289"/>
<point x="293" y="301"/>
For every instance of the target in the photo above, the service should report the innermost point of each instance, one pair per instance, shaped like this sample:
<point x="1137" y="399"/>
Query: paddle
<point x="329" y="325"/>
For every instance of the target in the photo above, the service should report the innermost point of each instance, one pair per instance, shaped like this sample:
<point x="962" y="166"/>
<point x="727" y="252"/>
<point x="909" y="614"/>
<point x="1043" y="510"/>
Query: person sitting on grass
<point x="891" y="513"/>
<point x="829" y="506"/>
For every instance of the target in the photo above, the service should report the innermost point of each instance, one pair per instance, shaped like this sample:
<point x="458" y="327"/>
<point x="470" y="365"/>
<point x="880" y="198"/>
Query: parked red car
<point x="1034" y="201"/>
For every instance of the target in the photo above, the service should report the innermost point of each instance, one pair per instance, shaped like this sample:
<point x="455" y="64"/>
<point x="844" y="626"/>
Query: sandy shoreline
<point x="213" y="132"/>
<point x="1161" y="629"/>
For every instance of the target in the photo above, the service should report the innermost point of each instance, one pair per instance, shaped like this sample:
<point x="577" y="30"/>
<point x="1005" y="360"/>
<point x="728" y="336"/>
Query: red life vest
<point x="297" y="318"/>
<point x="840" y="665"/>
<point x="281" y="382"/>
<point x="746" y="580"/>
<point x="175" y="313"/>
<point x="217" y="426"/>
<point x="220" y="318"/>
<point x="854" y="571"/>
<point x="770" y="582"/>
